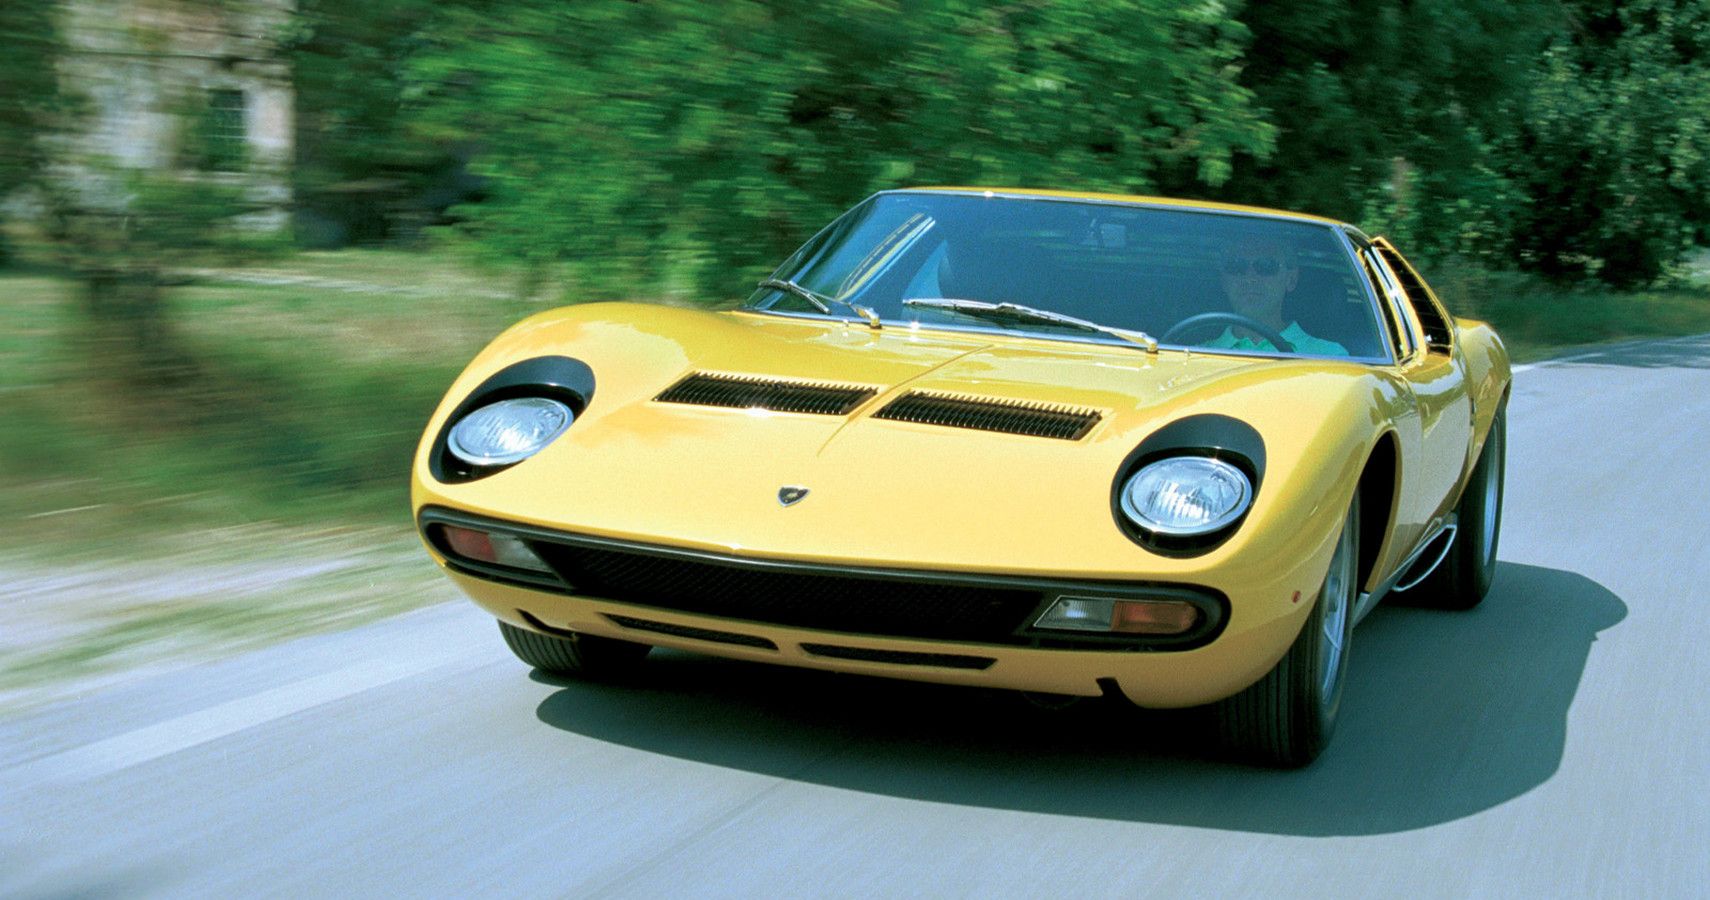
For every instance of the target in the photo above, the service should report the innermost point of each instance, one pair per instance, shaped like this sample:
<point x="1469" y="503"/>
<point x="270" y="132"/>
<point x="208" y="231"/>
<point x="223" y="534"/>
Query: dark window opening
<point x="224" y="137"/>
<point x="1438" y="334"/>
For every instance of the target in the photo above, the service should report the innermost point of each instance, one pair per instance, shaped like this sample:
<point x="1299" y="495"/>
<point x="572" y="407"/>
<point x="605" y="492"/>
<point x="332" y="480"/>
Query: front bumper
<point x="953" y="628"/>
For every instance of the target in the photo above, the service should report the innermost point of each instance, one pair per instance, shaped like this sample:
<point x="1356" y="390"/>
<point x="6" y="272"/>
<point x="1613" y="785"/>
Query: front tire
<point x="579" y="655"/>
<point x="1464" y="576"/>
<point x="1286" y="719"/>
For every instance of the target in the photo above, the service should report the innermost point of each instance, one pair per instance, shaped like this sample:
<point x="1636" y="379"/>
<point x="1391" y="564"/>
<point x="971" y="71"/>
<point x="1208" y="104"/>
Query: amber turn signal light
<point x="492" y="548"/>
<point x="1153" y="617"/>
<point x="1110" y="615"/>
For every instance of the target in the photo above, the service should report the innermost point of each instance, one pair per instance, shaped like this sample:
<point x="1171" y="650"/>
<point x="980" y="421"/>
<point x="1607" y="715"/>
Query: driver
<point x="1257" y="274"/>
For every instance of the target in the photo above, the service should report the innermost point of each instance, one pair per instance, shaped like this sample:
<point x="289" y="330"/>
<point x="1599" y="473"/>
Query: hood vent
<point x="741" y="392"/>
<point x="1069" y="423"/>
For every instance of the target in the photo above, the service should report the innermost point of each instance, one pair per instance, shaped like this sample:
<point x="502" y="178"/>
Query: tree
<point x="1390" y="111"/>
<point x="120" y="247"/>
<point x="121" y="221"/>
<point x="359" y="176"/>
<point x="29" y="93"/>
<point x="1568" y="138"/>
<point x="680" y="148"/>
<point x="1613" y="153"/>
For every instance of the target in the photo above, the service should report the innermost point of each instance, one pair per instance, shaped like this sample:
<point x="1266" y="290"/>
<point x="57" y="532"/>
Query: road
<point x="1553" y="742"/>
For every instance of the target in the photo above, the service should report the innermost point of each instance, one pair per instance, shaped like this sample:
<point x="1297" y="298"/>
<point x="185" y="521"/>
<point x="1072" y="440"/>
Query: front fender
<point x="1489" y="374"/>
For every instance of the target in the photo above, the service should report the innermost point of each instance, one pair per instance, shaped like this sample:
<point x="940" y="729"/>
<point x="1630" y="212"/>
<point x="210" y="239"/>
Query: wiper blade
<point x="982" y="309"/>
<point x="821" y="301"/>
<point x="783" y="284"/>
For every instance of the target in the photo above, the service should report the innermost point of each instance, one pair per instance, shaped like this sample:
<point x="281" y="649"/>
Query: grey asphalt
<point x="1553" y="742"/>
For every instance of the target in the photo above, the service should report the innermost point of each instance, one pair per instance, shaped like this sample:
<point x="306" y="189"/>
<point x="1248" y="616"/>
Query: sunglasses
<point x="1262" y="266"/>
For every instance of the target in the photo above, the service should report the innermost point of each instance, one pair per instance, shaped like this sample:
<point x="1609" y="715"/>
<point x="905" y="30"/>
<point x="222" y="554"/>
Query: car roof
<point x="1137" y="199"/>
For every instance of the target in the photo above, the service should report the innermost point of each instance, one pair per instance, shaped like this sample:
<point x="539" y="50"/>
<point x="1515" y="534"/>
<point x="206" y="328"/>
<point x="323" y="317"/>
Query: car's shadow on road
<point x="1445" y="715"/>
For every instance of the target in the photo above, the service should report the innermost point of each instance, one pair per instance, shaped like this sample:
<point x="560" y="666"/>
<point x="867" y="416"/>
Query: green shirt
<point x="1294" y="334"/>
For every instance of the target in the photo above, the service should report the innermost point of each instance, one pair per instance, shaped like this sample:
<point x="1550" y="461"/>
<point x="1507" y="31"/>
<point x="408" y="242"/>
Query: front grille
<point x="689" y="631"/>
<point x="1067" y="423"/>
<point x="855" y="604"/>
<point x="964" y="607"/>
<point x="901" y="657"/>
<point x="742" y="392"/>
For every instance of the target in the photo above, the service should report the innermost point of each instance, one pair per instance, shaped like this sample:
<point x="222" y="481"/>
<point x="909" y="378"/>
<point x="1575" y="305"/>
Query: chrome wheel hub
<point x="1337" y="600"/>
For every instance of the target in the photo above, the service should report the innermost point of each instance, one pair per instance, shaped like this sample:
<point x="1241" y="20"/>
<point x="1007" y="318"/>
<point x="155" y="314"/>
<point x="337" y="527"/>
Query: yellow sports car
<point x="1055" y="442"/>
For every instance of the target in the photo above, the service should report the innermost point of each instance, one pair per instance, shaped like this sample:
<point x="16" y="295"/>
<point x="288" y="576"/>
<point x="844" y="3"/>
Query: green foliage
<point x="1613" y="151"/>
<point x="678" y="148"/>
<point x="305" y="398"/>
<point x="120" y="237"/>
<point x="1538" y="318"/>
<point x="357" y="169"/>
<point x="1388" y="113"/>
<point x="193" y="220"/>
<point x="346" y="71"/>
<point x="1569" y="139"/>
<point x="681" y="148"/>
<point x="29" y="95"/>
<point x="29" y="91"/>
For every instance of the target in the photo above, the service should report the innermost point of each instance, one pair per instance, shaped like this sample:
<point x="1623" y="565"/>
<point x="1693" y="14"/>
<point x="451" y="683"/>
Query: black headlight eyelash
<point x="1219" y="437"/>
<point x="556" y="377"/>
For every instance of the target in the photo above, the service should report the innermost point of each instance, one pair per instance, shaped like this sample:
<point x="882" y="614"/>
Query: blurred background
<point x="245" y="244"/>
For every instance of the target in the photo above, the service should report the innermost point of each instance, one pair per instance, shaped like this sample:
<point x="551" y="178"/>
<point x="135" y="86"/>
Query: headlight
<point x="508" y="431"/>
<point x="1185" y="496"/>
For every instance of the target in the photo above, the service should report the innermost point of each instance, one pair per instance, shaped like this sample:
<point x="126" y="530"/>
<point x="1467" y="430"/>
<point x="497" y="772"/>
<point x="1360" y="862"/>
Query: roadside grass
<point x="304" y="398"/>
<point x="1577" y="320"/>
<point x="421" y="273"/>
<point x="1538" y="320"/>
<point x="266" y="496"/>
<point x="263" y="499"/>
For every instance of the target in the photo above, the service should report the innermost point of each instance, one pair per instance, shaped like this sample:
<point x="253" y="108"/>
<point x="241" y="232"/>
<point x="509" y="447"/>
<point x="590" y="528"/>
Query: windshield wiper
<point x="1015" y="311"/>
<point x="821" y="301"/>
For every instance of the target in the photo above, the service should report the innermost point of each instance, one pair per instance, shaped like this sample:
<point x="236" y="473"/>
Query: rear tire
<point x="580" y="655"/>
<point x="1464" y="576"/>
<point x="1286" y="719"/>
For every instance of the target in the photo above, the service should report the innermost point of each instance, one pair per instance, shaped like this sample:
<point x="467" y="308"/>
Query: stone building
<point x="195" y="89"/>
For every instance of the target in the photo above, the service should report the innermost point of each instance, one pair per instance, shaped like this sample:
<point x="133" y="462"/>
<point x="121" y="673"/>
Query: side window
<point x="1435" y="322"/>
<point x="1400" y="335"/>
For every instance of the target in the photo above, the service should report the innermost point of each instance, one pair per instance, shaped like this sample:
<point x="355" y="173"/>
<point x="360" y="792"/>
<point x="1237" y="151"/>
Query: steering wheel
<point x="1204" y="319"/>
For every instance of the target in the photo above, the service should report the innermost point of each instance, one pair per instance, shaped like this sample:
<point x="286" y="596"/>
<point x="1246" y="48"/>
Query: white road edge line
<point x="1604" y="350"/>
<point x="152" y="742"/>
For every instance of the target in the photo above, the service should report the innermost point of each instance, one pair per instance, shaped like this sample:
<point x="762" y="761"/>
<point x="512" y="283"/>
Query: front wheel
<point x="1286" y="719"/>
<point x="583" y="655"/>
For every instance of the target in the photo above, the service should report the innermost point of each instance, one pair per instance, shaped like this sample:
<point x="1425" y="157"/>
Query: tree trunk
<point x="130" y="327"/>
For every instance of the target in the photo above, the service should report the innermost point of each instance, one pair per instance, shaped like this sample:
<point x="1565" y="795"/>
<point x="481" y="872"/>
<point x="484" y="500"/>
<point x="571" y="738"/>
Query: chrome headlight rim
<point x="458" y="440"/>
<point x="561" y="378"/>
<point x="1213" y="465"/>
<point x="1204" y="434"/>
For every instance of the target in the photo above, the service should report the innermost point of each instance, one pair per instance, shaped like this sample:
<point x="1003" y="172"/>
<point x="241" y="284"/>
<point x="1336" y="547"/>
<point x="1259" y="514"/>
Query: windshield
<point x="1225" y="282"/>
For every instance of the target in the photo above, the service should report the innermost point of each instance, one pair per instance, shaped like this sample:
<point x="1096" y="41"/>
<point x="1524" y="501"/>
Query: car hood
<point x="899" y="493"/>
